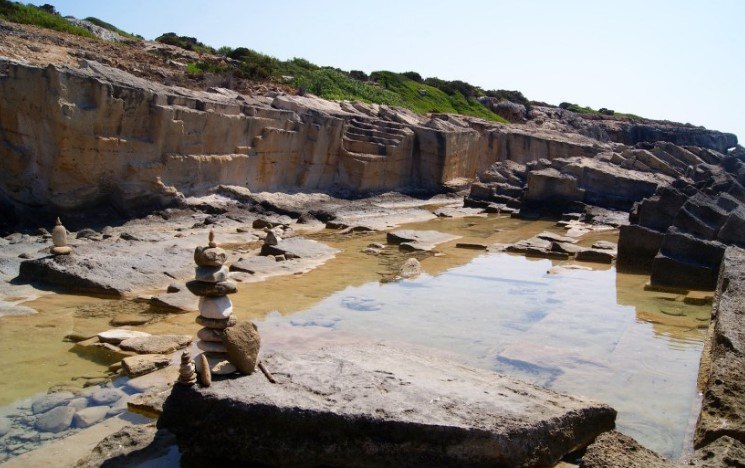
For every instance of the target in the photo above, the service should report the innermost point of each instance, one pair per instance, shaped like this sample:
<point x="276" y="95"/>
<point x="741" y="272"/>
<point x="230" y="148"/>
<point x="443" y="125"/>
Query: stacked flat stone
<point x="212" y="286"/>
<point x="187" y="372"/>
<point x="59" y="239"/>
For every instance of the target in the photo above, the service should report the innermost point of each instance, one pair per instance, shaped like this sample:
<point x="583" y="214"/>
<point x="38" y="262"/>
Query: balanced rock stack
<point x="212" y="286"/>
<point x="59" y="239"/>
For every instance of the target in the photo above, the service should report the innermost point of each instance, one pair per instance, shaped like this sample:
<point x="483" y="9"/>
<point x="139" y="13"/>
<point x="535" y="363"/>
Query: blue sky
<point x="677" y="60"/>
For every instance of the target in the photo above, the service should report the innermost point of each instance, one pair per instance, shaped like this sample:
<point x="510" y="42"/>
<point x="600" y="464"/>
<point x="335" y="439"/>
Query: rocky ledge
<point x="375" y="405"/>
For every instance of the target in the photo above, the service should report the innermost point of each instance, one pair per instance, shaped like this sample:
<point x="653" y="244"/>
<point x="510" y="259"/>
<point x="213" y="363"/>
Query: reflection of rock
<point x="423" y="397"/>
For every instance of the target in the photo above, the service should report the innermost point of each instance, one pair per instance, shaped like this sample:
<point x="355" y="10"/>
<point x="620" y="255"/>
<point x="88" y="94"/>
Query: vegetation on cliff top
<point x="44" y="16"/>
<point x="112" y="28"/>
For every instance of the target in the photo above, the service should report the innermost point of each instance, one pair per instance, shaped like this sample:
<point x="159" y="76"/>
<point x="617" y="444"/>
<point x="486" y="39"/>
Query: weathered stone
<point x="135" y="366"/>
<point x="724" y="451"/>
<point x="87" y="417"/>
<point x="55" y="420"/>
<point x="216" y="308"/>
<point x="242" y="343"/>
<point x="156" y="344"/>
<point x="216" y="324"/>
<point x="211" y="274"/>
<point x="117" y="335"/>
<point x="199" y="288"/>
<point x="210" y="256"/>
<point x="410" y="268"/>
<point x="615" y="450"/>
<point x="428" y="410"/>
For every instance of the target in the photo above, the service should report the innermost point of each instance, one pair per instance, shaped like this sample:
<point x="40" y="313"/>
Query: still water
<point x="591" y="332"/>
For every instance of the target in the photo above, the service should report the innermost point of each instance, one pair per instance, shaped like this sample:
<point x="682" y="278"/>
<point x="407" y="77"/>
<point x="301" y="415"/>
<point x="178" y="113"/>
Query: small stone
<point x="216" y="324"/>
<point x="223" y="288"/>
<point x="209" y="334"/>
<point x="211" y="347"/>
<point x="64" y="250"/>
<point x="204" y="372"/>
<point x="211" y="274"/>
<point x="271" y="238"/>
<point x="410" y="268"/>
<point x="242" y="343"/>
<point x="117" y="335"/>
<point x="134" y="366"/>
<point x="59" y="234"/>
<point x="89" y="416"/>
<point x="55" y="420"/>
<point x="215" y="307"/>
<point x="210" y="256"/>
<point x="211" y="238"/>
<point x="187" y="375"/>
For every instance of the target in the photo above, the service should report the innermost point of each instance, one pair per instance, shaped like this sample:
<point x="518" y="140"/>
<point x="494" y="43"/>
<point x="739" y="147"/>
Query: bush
<point x="358" y="75"/>
<point x="565" y="105"/>
<point x="413" y="76"/>
<point x="185" y="42"/>
<point x="506" y="95"/>
<point x="44" y="17"/>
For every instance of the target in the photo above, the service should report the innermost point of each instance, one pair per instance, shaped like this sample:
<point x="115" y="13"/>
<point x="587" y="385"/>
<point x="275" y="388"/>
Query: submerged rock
<point x="424" y="410"/>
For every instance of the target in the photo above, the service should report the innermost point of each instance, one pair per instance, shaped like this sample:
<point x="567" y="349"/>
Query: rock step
<point x="373" y="134"/>
<point x="364" y="147"/>
<point x="379" y="124"/>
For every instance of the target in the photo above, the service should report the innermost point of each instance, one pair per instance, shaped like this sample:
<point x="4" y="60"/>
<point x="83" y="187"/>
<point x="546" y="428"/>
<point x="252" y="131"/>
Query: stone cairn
<point x="59" y="239"/>
<point x="186" y="372"/>
<point x="212" y="286"/>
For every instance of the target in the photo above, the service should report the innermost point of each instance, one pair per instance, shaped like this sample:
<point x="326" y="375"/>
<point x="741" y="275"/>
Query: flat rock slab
<point x="181" y="301"/>
<point x="156" y="344"/>
<point x="419" y="240"/>
<point x="117" y="335"/>
<point x="378" y="405"/>
<point x="459" y="212"/>
<point x="298" y="247"/>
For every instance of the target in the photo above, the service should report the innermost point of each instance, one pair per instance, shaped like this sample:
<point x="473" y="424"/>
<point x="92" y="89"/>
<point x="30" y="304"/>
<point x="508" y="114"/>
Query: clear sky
<point x="679" y="60"/>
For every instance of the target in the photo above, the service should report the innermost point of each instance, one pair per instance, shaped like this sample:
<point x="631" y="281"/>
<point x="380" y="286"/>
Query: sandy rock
<point x="242" y="343"/>
<point x="89" y="416"/>
<point x="156" y="344"/>
<point x="117" y="335"/>
<point x="149" y="403"/>
<point x="615" y="450"/>
<point x="55" y="420"/>
<point x="135" y="366"/>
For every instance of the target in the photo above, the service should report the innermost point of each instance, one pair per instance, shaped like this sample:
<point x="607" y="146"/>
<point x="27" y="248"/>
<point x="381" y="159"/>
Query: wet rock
<point x="135" y="366"/>
<point x="117" y="335"/>
<point x="724" y="451"/>
<point x="45" y="403"/>
<point x="106" y="395"/>
<point x="182" y="301"/>
<point x="615" y="450"/>
<point x="410" y="268"/>
<point x="156" y="344"/>
<point x="242" y="343"/>
<point x="604" y="245"/>
<point x="131" y="446"/>
<point x="124" y="319"/>
<point x="89" y="416"/>
<point x="55" y="420"/>
<point x="598" y="256"/>
<point x="410" y="240"/>
<point x="426" y="410"/>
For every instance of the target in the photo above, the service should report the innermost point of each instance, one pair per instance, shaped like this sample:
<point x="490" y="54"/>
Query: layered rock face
<point x="681" y="232"/>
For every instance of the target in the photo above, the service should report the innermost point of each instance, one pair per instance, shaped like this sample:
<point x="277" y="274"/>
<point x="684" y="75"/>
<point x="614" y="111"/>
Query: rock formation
<point x="59" y="239"/>
<point x="187" y="370"/>
<point x="160" y="142"/>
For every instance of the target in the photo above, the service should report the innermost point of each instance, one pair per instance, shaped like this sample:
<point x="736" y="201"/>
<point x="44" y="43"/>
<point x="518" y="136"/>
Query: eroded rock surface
<point x="377" y="405"/>
<point x="615" y="450"/>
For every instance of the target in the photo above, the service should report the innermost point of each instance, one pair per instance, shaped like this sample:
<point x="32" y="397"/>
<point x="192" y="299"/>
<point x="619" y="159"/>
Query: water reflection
<point x="577" y="331"/>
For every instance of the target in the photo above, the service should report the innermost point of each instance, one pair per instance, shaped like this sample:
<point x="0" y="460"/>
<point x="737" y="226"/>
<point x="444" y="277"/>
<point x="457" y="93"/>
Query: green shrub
<point x="185" y="42"/>
<point x="503" y="94"/>
<point x="45" y="17"/>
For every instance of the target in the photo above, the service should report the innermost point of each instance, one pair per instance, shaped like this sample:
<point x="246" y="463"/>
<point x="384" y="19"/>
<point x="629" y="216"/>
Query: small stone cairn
<point x="212" y="286"/>
<point x="186" y="372"/>
<point x="59" y="239"/>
